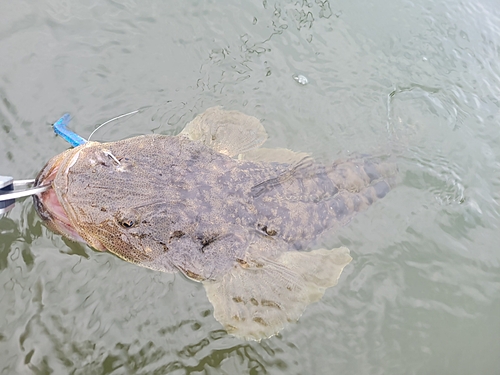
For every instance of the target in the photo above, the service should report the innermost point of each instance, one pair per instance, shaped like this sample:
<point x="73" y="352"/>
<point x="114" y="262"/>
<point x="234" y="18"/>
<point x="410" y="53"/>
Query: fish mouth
<point x="47" y="203"/>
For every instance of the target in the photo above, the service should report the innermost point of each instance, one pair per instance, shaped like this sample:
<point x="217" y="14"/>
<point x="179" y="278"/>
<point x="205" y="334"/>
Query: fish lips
<point x="50" y="204"/>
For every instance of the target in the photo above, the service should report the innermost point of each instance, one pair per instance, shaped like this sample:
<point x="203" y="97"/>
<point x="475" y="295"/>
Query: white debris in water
<point x="301" y="79"/>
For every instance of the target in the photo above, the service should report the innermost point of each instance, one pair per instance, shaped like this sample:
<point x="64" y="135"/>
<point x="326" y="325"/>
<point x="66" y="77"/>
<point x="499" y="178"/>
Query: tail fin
<point x="360" y="183"/>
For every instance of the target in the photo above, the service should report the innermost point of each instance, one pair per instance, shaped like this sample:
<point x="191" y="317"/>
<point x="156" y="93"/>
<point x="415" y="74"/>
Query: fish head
<point x="98" y="195"/>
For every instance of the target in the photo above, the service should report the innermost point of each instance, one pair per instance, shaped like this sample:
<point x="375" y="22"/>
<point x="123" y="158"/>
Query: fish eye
<point x="127" y="223"/>
<point x="128" y="218"/>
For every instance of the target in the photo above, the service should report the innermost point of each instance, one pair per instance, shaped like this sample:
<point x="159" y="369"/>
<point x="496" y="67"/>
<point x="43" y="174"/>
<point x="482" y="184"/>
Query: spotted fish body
<point x="186" y="203"/>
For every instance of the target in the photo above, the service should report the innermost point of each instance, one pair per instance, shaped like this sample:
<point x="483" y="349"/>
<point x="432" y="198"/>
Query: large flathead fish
<point x="213" y="205"/>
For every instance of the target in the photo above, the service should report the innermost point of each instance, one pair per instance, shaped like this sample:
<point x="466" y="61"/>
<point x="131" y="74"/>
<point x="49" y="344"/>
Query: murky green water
<point x="417" y="80"/>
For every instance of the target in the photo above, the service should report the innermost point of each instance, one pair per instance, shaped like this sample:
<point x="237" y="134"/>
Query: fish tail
<point x="360" y="183"/>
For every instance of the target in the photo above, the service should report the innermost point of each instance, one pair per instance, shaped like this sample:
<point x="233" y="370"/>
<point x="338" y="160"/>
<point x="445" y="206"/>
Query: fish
<point x="214" y="205"/>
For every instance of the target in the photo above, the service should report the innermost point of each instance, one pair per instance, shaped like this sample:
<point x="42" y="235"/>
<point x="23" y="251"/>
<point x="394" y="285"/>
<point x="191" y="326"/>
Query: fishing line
<point x="113" y="119"/>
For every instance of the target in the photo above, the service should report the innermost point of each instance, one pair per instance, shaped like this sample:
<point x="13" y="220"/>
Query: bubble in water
<point x="301" y="79"/>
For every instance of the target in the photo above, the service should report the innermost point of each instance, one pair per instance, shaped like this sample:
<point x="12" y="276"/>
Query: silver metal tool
<point x="11" y="189"/>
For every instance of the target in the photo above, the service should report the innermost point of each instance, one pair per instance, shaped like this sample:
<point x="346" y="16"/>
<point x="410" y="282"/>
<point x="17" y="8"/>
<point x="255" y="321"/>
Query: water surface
<point x="416" y="81"/>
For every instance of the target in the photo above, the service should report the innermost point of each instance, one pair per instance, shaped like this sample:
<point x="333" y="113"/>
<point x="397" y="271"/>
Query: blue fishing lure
<point x="61" y="129"/>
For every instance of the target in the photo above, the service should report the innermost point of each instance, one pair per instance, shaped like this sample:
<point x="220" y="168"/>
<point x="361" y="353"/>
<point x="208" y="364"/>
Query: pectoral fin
<point x="228" y="132"/>
<point x="260" y="295"/>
